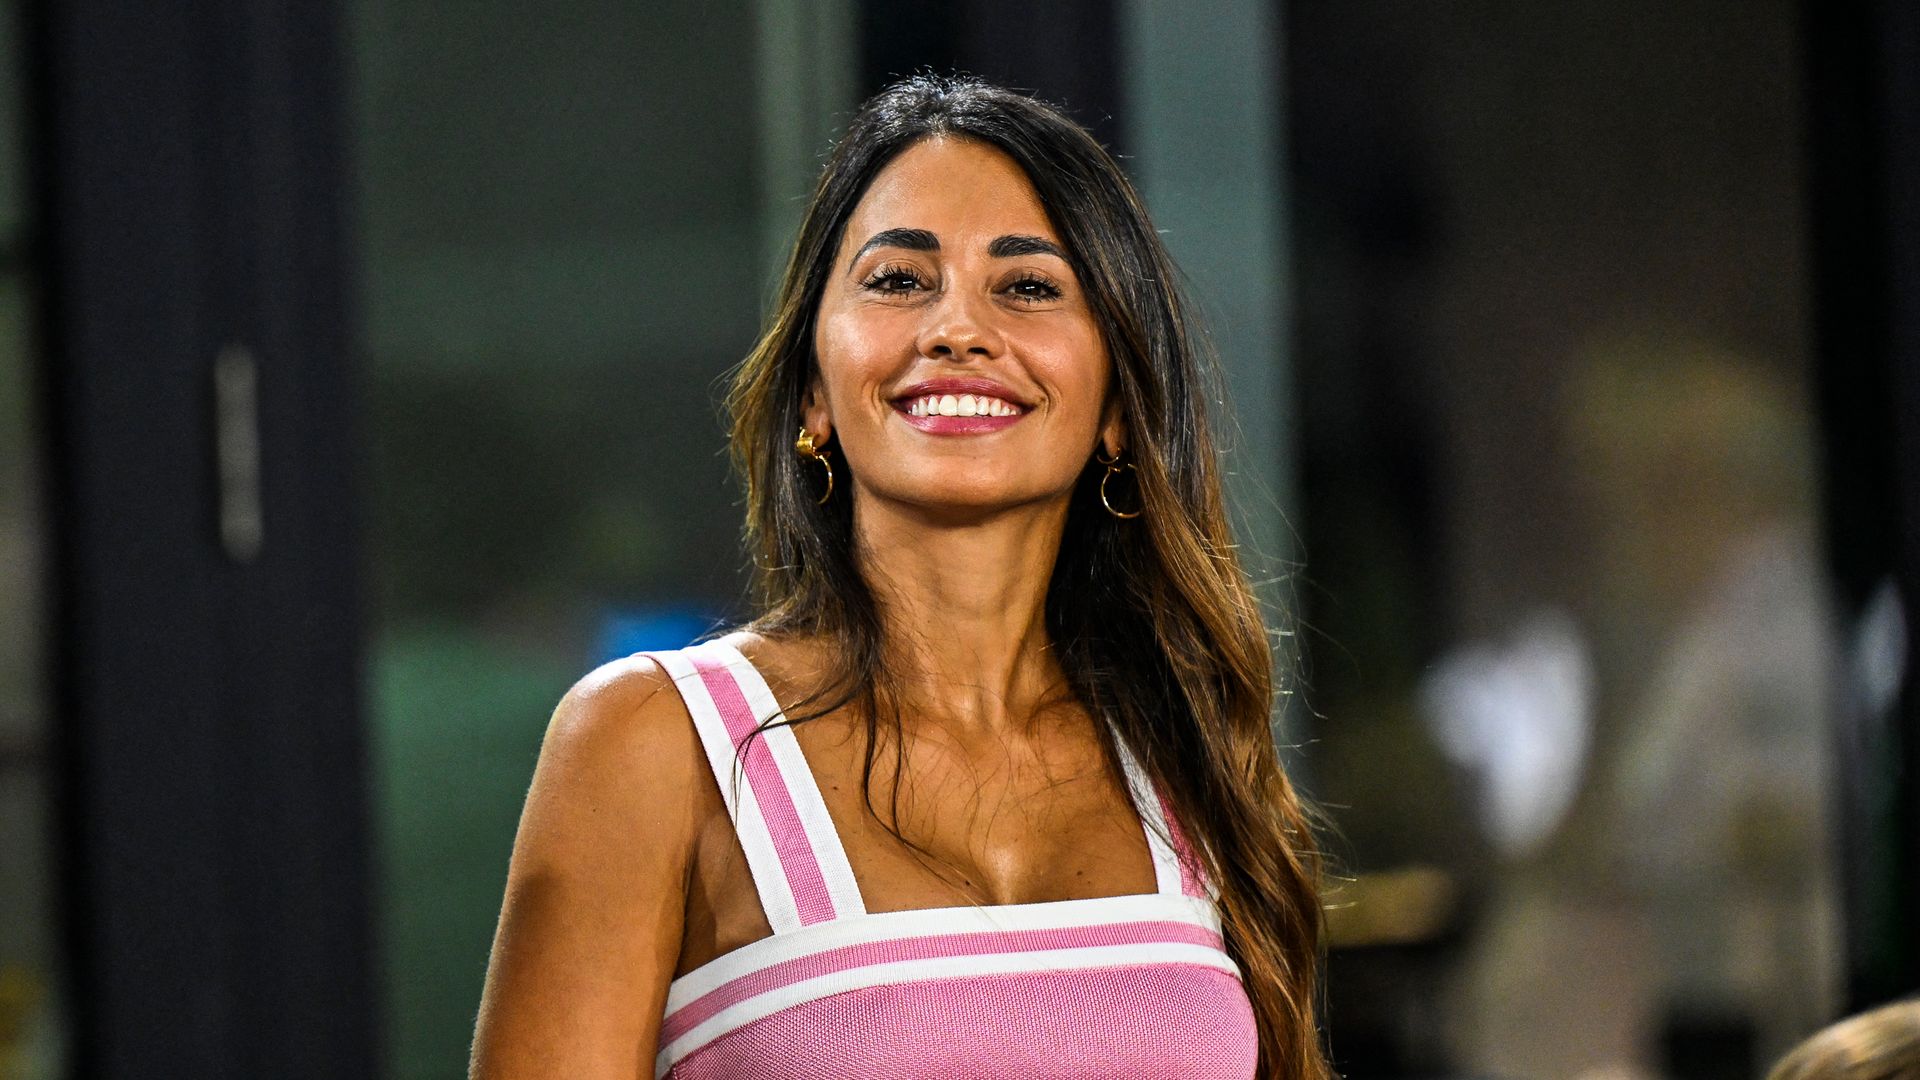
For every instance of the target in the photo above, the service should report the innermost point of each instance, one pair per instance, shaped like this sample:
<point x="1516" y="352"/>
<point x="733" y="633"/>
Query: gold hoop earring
<point x="1115" y="465"/>
<point x="804" y="446"/>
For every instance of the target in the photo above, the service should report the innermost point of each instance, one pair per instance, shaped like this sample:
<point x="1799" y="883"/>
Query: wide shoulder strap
<point x="798" y="864"/>
<point x="1176" y="869"/>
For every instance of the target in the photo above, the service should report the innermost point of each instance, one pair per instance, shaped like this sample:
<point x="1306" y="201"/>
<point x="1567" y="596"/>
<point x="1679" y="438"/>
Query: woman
<point x="1021" y="814"/>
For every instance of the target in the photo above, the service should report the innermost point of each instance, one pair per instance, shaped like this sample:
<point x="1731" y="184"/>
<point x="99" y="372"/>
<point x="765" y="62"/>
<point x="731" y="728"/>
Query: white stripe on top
<point x="1166" y="864"/>
<point x="767" y="952"/>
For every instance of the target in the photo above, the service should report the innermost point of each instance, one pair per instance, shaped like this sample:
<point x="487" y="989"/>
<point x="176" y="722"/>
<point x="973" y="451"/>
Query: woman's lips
<point x="961" y="414"/>
<point x="960" y="425"/>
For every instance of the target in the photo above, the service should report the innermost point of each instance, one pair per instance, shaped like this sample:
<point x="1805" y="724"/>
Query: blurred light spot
<point x="1518" y="717"/>
<point x="1880" y="650"/>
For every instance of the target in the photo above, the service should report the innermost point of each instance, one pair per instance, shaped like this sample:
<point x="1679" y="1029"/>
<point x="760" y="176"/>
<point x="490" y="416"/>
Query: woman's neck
<point x="964" y="610"/>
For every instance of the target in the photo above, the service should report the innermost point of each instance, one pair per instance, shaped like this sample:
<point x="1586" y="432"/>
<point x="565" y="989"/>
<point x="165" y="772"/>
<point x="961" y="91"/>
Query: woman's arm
<point x="590" y="931"/>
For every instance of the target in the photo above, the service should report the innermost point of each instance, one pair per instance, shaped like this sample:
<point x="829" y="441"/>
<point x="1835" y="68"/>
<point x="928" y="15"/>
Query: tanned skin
<point x="626" y="872"/>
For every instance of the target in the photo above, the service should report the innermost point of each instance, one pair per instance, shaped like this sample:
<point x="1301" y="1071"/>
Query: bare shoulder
<point x="590" y="928"/>
<point x="622" y="711"/>
<point x="621" y="777"/>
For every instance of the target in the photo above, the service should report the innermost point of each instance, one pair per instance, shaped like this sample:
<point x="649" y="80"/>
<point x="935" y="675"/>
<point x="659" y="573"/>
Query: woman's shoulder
<point x="631" y="706"/>
<point x="621" y="698"/>
<point x="622" y="734"/>
<point x="601" y="862"/>
<point x="631" y="703"/>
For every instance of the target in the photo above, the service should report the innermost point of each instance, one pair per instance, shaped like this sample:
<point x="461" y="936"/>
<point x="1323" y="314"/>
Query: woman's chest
<point x="933" y="831"/>
<point x="933" y="823"/>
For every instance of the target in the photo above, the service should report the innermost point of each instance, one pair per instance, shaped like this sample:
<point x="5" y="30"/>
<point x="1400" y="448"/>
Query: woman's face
<point x="960" y="367"/>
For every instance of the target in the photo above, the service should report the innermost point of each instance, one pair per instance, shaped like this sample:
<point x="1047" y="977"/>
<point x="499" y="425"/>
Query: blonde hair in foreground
<point x="1881" y="1044"/>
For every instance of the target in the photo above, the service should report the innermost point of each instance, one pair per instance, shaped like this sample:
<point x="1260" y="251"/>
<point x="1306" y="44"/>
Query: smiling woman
<point x="988" y="789"/>
<point x="959" y="314"/>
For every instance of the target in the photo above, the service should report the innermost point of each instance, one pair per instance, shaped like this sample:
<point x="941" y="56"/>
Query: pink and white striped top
<point x="1137" y="986"/>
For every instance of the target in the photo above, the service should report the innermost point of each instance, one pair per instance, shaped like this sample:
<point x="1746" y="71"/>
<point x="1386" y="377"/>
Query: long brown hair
<point x="1153" y="619"/>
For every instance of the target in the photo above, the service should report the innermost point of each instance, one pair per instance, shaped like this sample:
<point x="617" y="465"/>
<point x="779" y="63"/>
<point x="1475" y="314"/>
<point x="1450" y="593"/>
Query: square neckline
<point x="1148" y="810"/>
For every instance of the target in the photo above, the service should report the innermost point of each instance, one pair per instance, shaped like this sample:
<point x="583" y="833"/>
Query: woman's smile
<point x="959" y="407"/>
<point x="956" y="310"/>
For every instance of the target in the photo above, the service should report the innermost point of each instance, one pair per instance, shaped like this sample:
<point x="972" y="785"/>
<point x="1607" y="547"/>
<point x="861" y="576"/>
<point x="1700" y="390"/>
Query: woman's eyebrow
<point x="1007" y="247"/>
<point x="911" y="239"/>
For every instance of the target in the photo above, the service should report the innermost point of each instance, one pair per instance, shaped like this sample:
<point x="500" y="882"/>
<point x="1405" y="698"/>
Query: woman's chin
<point x="958" y="503"/>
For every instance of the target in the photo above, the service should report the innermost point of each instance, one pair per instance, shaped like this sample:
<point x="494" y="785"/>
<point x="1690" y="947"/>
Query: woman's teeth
<point x="961" y="405"/>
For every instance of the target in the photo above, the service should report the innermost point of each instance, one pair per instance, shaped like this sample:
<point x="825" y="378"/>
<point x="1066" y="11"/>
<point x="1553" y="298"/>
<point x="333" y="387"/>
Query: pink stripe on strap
<point x="1191" y="882"/>
<point x="809" y="886"/>
<point x="975" y="943"/>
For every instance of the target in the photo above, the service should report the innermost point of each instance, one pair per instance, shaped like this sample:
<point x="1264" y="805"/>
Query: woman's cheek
<point x="1081" y="380"/>
<point x="857" y="347"/>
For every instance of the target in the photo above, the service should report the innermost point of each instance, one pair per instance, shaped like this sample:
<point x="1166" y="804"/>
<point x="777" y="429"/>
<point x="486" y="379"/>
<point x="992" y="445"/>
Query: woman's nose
<point x="958" y="326"/>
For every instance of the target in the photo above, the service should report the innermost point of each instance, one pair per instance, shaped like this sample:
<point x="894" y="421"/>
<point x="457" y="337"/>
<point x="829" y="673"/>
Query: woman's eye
<point x="889" y="280"/>
<point x="1034" y="289"/>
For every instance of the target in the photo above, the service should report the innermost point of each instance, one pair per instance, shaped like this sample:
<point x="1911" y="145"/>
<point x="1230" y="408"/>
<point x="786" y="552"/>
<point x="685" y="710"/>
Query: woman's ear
<point x="815" y="414"/>
<point x="1113" y="429"/>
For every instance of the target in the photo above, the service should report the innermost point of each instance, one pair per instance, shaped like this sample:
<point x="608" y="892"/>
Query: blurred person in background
<point x="1716" y="823"/>
<point x="1027" y="684"/>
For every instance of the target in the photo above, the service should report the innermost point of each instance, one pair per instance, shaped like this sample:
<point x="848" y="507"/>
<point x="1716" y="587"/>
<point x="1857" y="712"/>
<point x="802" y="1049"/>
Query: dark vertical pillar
<point x="1864" y="160"/>
<point x="196" y="335"/>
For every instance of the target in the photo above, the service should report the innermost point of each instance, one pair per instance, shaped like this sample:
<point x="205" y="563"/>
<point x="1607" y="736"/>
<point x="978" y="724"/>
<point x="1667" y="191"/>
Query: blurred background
<point x="359" y="377"/>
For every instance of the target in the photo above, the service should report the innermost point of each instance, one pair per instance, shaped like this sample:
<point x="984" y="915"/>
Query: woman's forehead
<point x="962" y="191"/>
